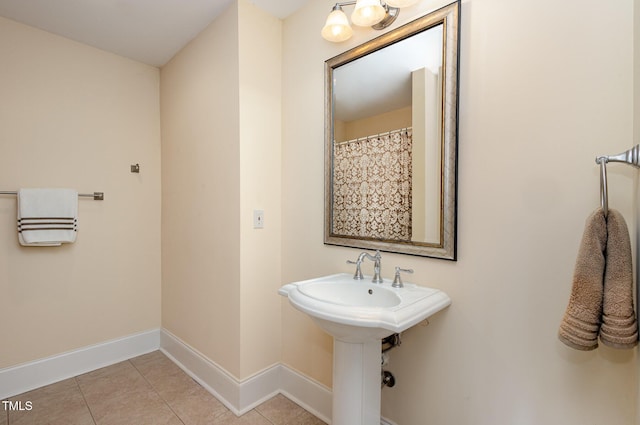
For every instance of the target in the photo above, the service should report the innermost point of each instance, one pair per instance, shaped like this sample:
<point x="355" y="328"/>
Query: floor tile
<point x="170" y="382"/>
<point x="147" y="410"/>
<point x="280" y="410"/>
<point x="60" y="403"/>
<point x="198" y="407"/>
<point x="251" y="418"/>
<point x="111" y="380"/>
<point x="146" y="390"/>
<point x="114" y="404"/>
<point x="119" y="394"/>
<point x="306" y="418"/>
<point x="154" y="364"/>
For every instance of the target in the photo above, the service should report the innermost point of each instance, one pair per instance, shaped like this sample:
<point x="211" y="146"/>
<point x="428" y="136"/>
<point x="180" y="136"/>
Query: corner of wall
<point x="201" y="193"/>
<point x="636" y="140"/>
<point x="260" y="126"/>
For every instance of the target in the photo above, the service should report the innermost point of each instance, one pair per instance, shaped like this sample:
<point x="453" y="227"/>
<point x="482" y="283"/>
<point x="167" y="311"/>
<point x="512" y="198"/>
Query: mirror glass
<point x="391" y="140"/>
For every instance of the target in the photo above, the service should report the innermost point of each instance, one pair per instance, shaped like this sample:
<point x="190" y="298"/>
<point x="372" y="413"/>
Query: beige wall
<point x="393" y="120"/>
<point x="74" y="116"/>
<point x="221" y="160"/>
<point x="535" y="110"/>
<point x="260" y="47"/>
<point x="201" y="193"/>
<point x="533" y="117"/>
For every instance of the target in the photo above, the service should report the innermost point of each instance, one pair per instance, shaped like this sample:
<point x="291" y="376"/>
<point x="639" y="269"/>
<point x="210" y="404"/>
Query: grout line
<point x="267" y="419"/>
<point x="273" y="421"/>
<point x="301" y="412"/>
<point x="226" y="409"/>
<point x="75" y="380"/>
<point x="156" y="391"/>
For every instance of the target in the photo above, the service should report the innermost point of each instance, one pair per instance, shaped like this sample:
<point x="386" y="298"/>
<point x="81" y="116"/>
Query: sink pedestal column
<point x="356" y="382"/>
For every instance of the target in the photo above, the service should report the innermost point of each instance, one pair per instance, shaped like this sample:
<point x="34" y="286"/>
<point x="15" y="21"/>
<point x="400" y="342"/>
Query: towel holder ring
<point x="604" y="195"/>
<point x="630" y="157"/>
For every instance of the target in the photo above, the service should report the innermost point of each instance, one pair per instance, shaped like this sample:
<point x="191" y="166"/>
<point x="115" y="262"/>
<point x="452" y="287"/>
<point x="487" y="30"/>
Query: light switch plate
<point x="258" y="219"/>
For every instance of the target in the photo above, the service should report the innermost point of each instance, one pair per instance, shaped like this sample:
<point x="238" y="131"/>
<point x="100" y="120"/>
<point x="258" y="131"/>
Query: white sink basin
<point x="353" y="293"/>
<point x="358" y="314"/>
<point x="358" y="310"/>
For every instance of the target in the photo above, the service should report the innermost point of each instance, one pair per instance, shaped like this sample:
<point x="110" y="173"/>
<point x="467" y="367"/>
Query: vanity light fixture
<point x="367" y="13"/>
<point x="401" y="3"/>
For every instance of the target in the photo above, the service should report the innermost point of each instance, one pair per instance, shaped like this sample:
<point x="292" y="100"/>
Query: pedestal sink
<point x="358" y="314"/>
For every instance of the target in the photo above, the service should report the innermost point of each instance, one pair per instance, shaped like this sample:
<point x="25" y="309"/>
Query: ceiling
<point x="382" y="81"/>
<point x="149" y="31"/>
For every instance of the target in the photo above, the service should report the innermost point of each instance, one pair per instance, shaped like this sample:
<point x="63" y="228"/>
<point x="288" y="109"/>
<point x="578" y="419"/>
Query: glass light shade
<point x="337" y="27"/>
<point x="368" y="13"/>
<point x="400" y="3"/>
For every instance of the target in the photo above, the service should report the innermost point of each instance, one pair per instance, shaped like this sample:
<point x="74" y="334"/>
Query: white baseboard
<point x="240" y="396"/>
<point x="19" y="379"/>
<point x="311" y="395"/>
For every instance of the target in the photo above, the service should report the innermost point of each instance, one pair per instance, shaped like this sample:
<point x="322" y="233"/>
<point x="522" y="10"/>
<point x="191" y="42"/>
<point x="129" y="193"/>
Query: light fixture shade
<point x="400" y="3"/>
<point x="367" y="13"/>
<point x="337" y="27"/>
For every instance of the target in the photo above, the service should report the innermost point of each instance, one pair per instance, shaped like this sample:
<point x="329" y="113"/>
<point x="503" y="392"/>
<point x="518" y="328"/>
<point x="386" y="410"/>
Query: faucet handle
<point x="358" y="274"/>
<point x="397" y="280"/>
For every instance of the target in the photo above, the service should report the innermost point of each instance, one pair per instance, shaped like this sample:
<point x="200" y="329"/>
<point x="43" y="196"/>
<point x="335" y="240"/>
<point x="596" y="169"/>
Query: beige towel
<point x="581" y="321"/>
<point x="619" y="326"/>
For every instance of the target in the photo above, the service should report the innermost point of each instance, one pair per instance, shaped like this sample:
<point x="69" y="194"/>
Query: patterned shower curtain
<point x="372" y="186"/>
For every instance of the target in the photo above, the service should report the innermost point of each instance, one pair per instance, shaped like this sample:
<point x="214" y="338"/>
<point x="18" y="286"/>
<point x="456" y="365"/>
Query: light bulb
<point x="337" y="27"/>
<point x="368" y="13"/>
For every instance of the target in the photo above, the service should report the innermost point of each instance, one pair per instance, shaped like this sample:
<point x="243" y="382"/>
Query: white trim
<point x="208" y="374"/>
<point x="26" y="377"/>
<point x="309" y="394"/>
<point x="240" y="396"/>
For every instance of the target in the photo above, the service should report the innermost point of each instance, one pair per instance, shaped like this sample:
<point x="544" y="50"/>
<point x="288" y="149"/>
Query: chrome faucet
<point x="397" y="280"/>
<point x="376" y="266"/>
<point x="358" y="274"/>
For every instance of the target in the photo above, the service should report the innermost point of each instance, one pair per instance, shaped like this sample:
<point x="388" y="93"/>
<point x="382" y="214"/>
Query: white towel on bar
<point x="47" y="217"/>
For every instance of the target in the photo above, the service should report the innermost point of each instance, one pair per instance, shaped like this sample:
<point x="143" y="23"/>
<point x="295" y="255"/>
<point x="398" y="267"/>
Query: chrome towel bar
<point x="631" y="157"/>
<point x="97" y="196"/>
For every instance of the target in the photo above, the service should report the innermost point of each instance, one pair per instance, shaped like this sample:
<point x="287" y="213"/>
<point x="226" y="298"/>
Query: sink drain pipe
<point x="387" y="378"/>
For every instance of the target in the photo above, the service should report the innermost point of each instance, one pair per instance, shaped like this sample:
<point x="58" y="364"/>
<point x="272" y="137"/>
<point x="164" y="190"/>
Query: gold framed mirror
<point x="391" y="140"/>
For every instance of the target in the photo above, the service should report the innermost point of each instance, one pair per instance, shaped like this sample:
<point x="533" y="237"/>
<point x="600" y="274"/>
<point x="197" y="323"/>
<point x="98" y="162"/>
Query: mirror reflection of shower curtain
<point x="372" y="186"/>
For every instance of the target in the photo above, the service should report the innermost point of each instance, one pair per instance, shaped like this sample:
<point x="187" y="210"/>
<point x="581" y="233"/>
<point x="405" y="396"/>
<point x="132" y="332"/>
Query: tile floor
<point x="149" y="389"/>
